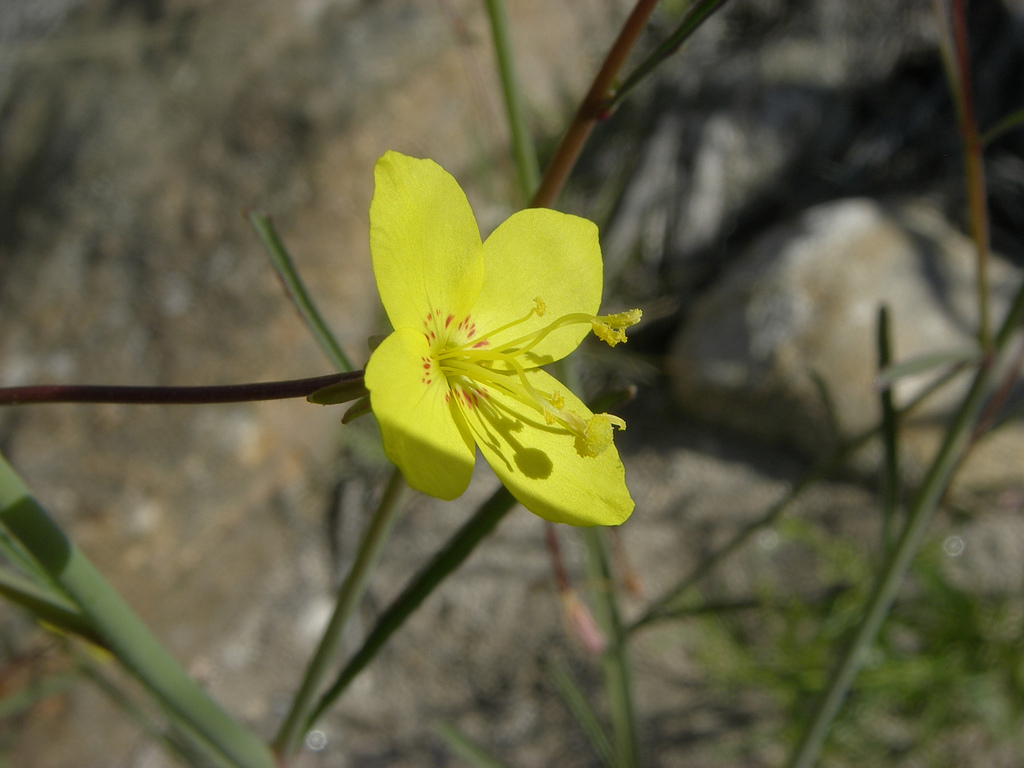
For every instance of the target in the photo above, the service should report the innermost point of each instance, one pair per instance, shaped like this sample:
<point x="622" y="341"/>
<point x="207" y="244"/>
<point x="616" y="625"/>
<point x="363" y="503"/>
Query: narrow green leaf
<point x="893" y="372"/>
<point x="48" y="606"/>
<point x="297" y="292"/>
<point x="582" y="712"/>
<point x="122" y="631"/>
<point x="443" y="564"/>
<point x="696" y="14"/>
<point x="466" y="748"/>
<point x="1004" y="126"/>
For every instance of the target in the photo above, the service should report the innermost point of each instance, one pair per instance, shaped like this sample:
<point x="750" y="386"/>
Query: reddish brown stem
<point x="128" y="395"/>
<point x="593" y="107"/>
<point x="974" y="169"/>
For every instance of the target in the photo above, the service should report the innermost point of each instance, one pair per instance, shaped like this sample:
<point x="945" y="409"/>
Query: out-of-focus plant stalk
<point x="890" y="437"/>
<point x="290" y="736"/>
<point x="523" y="150"/>
<point x="959" y="437"/>
<point x="667" y="605"/>
<point x="593" y="108"/>
<point x="974" y="168"/>
<point x="695" y="15"/>
<point x="444" y="562"/>
<point x="615" y="660"/>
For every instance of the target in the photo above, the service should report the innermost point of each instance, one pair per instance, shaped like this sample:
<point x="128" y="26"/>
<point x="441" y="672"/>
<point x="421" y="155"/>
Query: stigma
<point x="474" y="366"/>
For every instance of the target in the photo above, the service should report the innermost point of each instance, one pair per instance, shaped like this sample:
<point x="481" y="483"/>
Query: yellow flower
<point x="473" y="322"/>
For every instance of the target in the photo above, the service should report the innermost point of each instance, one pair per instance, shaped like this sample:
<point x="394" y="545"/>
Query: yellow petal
<point x="539" y="463"/>
<point x="424" y="434"/>
<point x="424" y="241"/>
<point x="542" y="254"/>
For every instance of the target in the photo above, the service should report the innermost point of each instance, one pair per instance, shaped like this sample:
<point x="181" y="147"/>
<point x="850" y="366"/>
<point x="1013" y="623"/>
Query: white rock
<point x="803" y="304"/>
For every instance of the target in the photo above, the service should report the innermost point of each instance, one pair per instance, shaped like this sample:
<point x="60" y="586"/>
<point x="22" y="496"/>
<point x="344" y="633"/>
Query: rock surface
<point x="785" y="345"/>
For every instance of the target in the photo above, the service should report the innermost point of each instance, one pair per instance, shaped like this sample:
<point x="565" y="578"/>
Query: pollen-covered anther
<point x="555" y="410"/>
<point x="611" y="329"/>
<point x="541" y="307"/>
<point x="596" y="436"/>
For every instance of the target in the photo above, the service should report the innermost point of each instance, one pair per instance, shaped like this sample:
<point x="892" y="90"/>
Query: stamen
<point x="597" y="434"/>
<point x="611" y="329"/>
<point x="474" y="367"/>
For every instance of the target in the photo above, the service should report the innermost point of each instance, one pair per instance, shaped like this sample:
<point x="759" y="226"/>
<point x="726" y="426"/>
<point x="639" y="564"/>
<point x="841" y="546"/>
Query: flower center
<point x="473" y="365"/>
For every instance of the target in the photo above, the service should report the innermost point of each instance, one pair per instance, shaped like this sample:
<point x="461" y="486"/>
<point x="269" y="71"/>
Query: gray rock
<point x="784" y="347"/>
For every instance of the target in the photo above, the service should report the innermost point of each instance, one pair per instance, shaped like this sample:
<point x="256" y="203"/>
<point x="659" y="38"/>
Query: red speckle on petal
<point x="480" y="344"/>
<point x="448" y="320"/>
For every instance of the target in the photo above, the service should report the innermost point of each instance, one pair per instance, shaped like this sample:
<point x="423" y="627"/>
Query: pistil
<point x="474" y="365"/>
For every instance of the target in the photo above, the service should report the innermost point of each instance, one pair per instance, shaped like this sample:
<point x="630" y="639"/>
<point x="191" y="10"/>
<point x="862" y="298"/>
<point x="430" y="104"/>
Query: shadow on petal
<point x="497" y="425"/>
<point x="532" y="462"/>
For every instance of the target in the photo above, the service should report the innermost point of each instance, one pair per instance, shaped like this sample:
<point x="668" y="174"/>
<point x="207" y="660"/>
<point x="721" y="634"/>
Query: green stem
<point x="523" y="150"/>
<point x="615" y="660"/>
<point x="297" y="292"/>
<point x="958" y="438"/>
<point x="122" y="631"/>
<point x="444" y="562"/>
<point x="289" y="737"/>
<point x="226" y="393"/>
<point x="593" y="107"/>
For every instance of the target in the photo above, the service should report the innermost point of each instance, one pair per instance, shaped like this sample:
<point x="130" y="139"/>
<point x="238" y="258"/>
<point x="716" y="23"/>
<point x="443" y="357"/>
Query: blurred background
<point x="793" y="168"/>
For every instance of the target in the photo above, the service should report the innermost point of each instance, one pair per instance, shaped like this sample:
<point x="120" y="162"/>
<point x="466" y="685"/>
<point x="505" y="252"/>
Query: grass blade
<point x="444" y="562"/>
<point x="297" y="292"/>
<point x="959" y="436"/>
<point x="465" y="748"/>
<point x="583" y="713"/>
<point x="615" y="660"/>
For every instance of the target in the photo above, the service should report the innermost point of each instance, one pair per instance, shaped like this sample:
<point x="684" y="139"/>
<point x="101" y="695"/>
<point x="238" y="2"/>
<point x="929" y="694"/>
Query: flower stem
<point x="593" y="107"/>
<point x="974" y="168"/>
<point x="227" y="393"/>
<point x="289" y="737"/>
<point x="523" y="150"/>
